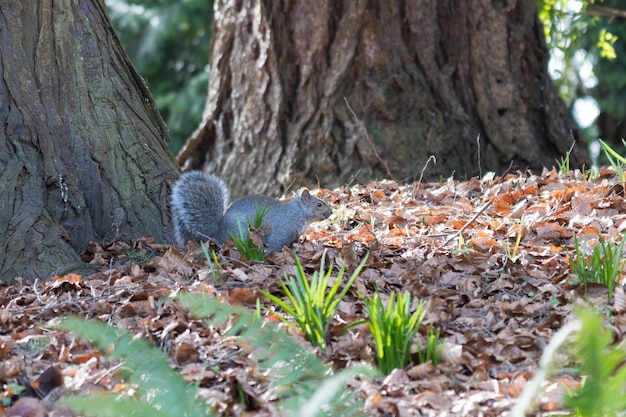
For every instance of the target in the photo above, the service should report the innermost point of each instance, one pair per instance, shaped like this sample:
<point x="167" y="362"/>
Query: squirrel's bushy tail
<point x="198" y="203"/>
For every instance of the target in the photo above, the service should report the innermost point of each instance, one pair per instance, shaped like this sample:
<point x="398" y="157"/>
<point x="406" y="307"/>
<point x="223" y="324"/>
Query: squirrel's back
<point x="198" y="203"/>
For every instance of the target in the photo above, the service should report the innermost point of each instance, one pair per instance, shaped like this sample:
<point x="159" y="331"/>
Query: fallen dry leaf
<point x="444" y="242"/>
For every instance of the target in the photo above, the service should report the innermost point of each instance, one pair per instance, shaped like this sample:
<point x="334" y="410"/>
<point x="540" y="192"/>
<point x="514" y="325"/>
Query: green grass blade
<point x="149" y="368"/>
<point x="330" y="390"/>
<point x="608" y="150"/>
<point x="279" y="303"/>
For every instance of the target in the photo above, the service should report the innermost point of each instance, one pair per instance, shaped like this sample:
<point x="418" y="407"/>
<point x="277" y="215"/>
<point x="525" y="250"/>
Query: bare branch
<point x="595" y="10"/>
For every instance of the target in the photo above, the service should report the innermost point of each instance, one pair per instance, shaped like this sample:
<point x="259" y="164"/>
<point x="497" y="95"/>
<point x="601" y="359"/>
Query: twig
<point x="595" y="10"/>
<point x="466" y="225"/>
<point x="416" y="188"/>
<point x="571" y="148"/>
<point x="97" y="378"/>
<point x="507" y="170"/>
<point x="480" y="171"/>
<point x="352" y="178"/>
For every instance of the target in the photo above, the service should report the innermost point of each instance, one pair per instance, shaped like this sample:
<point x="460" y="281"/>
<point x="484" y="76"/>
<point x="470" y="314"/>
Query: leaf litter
<point x="490" y="257"/>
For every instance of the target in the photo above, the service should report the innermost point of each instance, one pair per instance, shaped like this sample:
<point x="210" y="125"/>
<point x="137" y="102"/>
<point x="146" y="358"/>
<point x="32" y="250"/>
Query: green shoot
<point x="463" y="247"/>
<point x="511" y="252"/>
<point x="616" y="160"/>
<point x="302" y="383"/>
<point x="563" y="163"/>
<point x="257" y="309"/>
<point x="604" y="265"/>
<point x="432" y="349"/>
<point x="601" y="366"/>
<point x="214" y="265"/>
<point x="259" y="214"/>
<point x="393" y="329"/>
<point x="159" y="390"/>
<point x="244" y="243"/>
<point x="313" y="306"/>
<point x="589" y="174"/>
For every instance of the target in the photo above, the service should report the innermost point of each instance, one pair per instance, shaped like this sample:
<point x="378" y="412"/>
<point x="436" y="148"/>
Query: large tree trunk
<point x="83" y="150"/>
<point x="612" y="130"/>
<point x="423" y="78"/>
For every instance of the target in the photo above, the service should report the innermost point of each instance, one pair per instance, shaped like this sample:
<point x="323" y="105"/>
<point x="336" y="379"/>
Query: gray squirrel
<point x="199" y="211"/>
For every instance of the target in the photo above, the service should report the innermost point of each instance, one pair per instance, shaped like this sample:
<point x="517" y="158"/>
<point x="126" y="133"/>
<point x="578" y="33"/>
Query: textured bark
<point x="83" y="152"/>
<point x="424" y="78"/>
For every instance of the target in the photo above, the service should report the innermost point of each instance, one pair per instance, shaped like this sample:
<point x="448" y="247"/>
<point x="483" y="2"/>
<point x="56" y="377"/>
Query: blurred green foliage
<point x="610" y="92"/>
<point x="169" y="41"/>
<point x="587" y="38"/>
<point x="574" y="33"/>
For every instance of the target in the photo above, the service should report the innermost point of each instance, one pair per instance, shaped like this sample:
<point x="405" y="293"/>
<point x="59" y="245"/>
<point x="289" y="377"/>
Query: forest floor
<point x="490" y="257"/>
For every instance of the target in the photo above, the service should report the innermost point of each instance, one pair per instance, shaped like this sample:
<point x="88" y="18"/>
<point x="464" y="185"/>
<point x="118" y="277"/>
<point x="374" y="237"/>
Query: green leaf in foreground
<point x="298" y="376"/>
<point x="601" y="365"/>
<point x="588" y="343"/>
<point x="149" y="372"/>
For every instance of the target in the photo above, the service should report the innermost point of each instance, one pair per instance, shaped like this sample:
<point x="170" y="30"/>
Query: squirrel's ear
<point x="304" y="194"/>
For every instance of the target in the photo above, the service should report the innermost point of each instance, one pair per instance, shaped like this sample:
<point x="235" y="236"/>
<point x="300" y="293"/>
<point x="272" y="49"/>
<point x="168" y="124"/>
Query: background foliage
<point x="587" y="41"/>
<point x="169" y="43"/>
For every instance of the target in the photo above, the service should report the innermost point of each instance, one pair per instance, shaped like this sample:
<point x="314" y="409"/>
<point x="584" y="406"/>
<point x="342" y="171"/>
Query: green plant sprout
<point x="313" y="306"/>
<point x="563" y="163"/>
<point x="463" y="247"/>
<point x="432" y="349"/>
<point x="243" y="242"/>
<point x="589" y="174"/>
<point x="604" y="265"/>
<point x="214" y="265"/>
<point x="300" y="382"/>
<point x="616" y="160"/>
<point x="257" y="309"/>
<point x="512" y="252"/>
<point x="588" y="344"/>
<point x="394" y="329"/>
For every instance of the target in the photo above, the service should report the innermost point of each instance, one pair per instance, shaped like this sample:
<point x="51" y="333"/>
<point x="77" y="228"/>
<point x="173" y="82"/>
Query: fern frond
<point x="149" y="369"/>
<point x="298" y="376"/>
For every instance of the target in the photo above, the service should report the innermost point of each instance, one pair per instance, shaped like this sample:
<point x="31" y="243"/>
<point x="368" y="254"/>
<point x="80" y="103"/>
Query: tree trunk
<point x="422" y="77"/>
<point x="83" y="150"/>
<point x="612" y="130"/>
